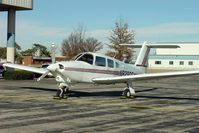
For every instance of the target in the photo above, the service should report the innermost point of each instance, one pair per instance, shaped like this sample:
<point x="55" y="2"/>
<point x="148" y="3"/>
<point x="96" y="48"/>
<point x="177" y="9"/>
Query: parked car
<point x="44" y="65"/>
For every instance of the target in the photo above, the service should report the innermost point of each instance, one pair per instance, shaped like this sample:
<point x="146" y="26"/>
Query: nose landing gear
<point x="62" y="92"/>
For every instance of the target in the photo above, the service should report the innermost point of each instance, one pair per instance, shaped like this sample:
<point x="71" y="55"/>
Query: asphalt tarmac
<point x="160" y="106"/>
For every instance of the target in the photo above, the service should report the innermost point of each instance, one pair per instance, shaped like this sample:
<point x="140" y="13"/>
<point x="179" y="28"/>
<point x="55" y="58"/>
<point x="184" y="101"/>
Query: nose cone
<point x="52" y="67"/>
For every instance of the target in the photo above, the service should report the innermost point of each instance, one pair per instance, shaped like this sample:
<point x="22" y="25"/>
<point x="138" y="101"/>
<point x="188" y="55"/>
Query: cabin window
<point x="88" y="58"/>
<point x="110" y="63"/>
<point x="100" y="61"/>
<point x="117" y="65"/>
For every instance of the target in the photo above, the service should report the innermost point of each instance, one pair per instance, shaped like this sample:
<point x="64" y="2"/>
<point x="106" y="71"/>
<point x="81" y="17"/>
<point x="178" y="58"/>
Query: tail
<point x="142" y="59"/>
<point x="143" y="56"/>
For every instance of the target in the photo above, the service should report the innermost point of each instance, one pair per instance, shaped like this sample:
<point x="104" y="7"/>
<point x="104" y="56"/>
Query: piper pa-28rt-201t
<point x="100" y="69"/>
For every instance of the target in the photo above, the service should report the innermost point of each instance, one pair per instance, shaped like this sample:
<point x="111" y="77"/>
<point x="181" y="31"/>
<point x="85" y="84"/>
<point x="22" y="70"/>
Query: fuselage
<point x="87" y="66"/>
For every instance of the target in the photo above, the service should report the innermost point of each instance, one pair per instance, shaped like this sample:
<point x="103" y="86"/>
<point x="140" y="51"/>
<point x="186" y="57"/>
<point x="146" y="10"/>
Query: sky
<point x="152" y="20"/>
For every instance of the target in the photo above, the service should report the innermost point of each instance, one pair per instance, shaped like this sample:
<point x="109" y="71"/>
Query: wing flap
<point x="26" y="68"/>
<point x="124" y="79"/>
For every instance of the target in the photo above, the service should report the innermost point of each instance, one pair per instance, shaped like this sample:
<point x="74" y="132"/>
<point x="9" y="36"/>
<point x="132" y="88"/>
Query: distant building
<point x="184" y="58"/>
<point x="30" y="60"/>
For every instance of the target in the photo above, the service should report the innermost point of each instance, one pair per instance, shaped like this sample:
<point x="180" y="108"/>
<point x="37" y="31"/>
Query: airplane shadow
<point x="167" y="98"/>
<point x="80" y="94"/>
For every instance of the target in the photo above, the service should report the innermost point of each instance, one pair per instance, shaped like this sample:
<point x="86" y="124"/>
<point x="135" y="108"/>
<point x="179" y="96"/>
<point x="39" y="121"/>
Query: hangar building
<point x="184" y="58"/>
<point x="11" y="6"/>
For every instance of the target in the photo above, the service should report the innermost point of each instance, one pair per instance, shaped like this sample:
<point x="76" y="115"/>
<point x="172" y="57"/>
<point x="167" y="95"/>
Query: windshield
<point x="77" y="56"/>
<point x="88" y="58"/>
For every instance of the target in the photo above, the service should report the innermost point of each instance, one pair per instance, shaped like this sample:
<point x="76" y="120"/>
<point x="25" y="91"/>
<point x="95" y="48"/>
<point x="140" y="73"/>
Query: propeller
<point x="52" y="68"/>
<point x="43" y="75"/>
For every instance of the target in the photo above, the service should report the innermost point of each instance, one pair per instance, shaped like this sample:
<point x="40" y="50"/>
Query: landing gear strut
<point x="63" y="90"/>
<point x="129" y="92"/>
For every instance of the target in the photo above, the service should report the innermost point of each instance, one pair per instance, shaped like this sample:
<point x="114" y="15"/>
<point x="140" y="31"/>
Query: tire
<point x="127" y="93"/>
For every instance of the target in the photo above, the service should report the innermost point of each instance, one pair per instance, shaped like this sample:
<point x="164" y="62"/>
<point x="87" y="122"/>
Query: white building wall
<point x="185" y="49"/>
<point x="176" y="64"/>
<point x="188" y="52"/>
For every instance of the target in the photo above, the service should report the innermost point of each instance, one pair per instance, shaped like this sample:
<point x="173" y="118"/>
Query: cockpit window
<point x="100" y="61"/>
<point x="77" y="56"/>
<point x="87" y="58"/>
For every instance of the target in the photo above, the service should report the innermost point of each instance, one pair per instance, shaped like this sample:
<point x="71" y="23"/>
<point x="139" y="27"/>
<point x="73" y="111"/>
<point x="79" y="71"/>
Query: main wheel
<point x="127" y="93"/>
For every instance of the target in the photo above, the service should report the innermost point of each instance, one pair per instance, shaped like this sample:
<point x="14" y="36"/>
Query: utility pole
<point x="53" y="49"/>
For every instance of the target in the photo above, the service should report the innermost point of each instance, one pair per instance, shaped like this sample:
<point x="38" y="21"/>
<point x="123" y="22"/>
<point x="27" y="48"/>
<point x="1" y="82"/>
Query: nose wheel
<point x="62" y="92"/>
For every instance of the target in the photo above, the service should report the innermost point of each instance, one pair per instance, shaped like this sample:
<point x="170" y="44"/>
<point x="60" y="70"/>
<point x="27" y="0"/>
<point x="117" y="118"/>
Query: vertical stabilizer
<point x="142" y="59"/>
<point x="143" y="56"/>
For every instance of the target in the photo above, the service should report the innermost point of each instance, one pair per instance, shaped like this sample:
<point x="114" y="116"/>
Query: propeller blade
<point x="43" y="75"/>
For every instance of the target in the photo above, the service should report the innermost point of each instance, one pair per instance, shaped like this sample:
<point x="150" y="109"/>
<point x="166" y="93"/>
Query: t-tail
<point x="142" y="59"/>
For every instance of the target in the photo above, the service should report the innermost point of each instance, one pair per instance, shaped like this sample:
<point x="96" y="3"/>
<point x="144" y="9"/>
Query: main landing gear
<point x="129" y="92"/>
<point x="62" y="92"/>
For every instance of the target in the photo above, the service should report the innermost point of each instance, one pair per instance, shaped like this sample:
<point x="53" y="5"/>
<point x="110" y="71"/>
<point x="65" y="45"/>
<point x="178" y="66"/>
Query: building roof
<point x="5" y="5"/>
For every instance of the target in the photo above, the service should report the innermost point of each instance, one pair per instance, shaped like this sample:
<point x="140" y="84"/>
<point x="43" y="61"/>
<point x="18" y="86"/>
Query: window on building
<point x="158" y="62"/>
<point x="170" y="62"/>
<point x="100" y="61"/>
<point x="190" y="62"/>
<point x="110" y="63"/>
<point x="181" y="62"/>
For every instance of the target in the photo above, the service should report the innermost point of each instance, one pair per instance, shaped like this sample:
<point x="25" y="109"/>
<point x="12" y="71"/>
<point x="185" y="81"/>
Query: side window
<point x="117" y="65"/>
<point x="110" y="63"/>
<point x="87" y="58"/>
<point x="100" y="61"/>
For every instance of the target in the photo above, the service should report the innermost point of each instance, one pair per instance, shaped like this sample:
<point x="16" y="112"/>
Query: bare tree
<point x="90" y="45"/>
<point x="77" y="43"/>
<point x="120" y="34"/>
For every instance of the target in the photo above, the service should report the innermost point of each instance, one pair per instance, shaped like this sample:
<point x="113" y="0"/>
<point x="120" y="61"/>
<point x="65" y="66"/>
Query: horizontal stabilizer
<point x="155" y="45"/>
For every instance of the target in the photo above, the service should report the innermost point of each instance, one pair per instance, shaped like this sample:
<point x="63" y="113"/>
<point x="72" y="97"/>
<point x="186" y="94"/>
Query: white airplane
<point x="100" y="69"/>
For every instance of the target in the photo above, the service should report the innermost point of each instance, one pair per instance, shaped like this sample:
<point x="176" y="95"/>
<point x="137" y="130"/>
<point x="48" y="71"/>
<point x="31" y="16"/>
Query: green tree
<point x="77" y="43"/>
<point x="28" y="52"/>
<point x="41" y="49"/>
<point x="121" y="34"/>
<point x="3" y="52"/>
<point x="18" y="56"/>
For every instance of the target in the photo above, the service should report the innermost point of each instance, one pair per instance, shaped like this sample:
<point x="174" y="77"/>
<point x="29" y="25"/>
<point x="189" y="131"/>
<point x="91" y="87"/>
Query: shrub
<point x="18" y="75"/>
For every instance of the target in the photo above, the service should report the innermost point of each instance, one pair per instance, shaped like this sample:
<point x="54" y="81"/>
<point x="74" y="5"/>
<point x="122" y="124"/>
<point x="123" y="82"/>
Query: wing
<point x="26" y="68"/>
<point x="130" y="78"/>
